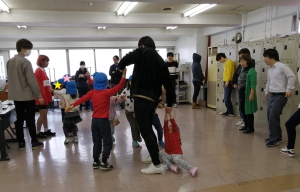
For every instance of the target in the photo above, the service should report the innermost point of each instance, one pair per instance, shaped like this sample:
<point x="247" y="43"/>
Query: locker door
<point x="226" y="51"/>
<point x="232" y="53"/>
<point x="290" y="63"/>
<point x="240" y="46"/>
<point x="286" y="113"/>
<point x="262" y="90"/>
<point x="257" y="50"/>
<point x="220" y="71"/>
<point x="221" y="49"/>
<point x="248" y="46"/>
<point x="258" y="90"/>
<point x="297" y="67"/>
<point x="220" y="88"/>
<point x="268" y="44"/>
<point x="263" y="110"/>
<point x="220" y="102"/>
<point x="264" y="72"/>
<point x="235" y="102"/>
<point x="278" y="44"/>
<point x="296" y="94"/>
<point x="258" y="70"/>
<point x="298" y="48"/>
<point x="289" y="49"/>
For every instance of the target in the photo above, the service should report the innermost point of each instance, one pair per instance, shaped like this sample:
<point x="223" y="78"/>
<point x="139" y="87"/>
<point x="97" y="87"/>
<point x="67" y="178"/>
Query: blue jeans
<point x="157" y="126"/>
<point x="227" y="98"/>
<point x="101" y="130"/>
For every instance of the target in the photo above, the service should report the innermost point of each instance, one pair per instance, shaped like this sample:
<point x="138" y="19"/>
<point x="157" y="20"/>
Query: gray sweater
<point x="22" y="84"/>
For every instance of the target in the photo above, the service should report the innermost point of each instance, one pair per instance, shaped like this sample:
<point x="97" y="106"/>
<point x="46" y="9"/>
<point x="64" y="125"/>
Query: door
<point x="257" y="50"/>
<point x="278" y="44"/>
<point x="289" y="49"/>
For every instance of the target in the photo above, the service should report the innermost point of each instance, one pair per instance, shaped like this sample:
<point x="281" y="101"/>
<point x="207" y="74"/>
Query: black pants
<point x="174" y="87"/>
<point x="197" y="86"/>
<point x="249" y="119"/>
<point x="25" y="110"/>
<point x="82" y="91"/>
<point x="144" y="110"/>
<point x="157" y="126"/>
<point x="291" y="125"/>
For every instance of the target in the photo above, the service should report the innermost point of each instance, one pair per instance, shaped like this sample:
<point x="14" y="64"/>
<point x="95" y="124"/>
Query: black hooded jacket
<point x="149" y="74"/>
<point x="196" y="68"/>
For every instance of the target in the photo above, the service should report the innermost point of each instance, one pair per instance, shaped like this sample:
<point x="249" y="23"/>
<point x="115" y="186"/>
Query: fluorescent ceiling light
<point x="102" y="27"/>
<point x="3" y="6"/>
<point x="126" y="7"/>
<point x="198" y="9"/>
<point x="22" y="27"/>
<point x="171" y="27"/>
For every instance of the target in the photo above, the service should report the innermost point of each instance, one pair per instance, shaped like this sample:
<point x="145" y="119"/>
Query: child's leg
<point x="157" y="125"/>
<point x="97" y="147"/>
<point x="62" y="114"/>
<point x="166" y="159"/>
<point x="105" y="133"/>
<point x="73" y="128"/>
<point x="66" y="129"/>
<point x="112" y="127"/>
<point x="178" y="159"/>
<point x="133" y="124"/>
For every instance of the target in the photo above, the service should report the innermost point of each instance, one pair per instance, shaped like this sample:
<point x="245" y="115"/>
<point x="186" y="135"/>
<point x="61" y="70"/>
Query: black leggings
<point x="197" y="86"/>
<point x="82" y="91"/>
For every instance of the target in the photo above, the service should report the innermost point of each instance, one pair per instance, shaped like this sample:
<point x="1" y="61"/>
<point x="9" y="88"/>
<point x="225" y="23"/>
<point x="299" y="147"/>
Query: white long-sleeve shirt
<point x="281" y="79"/>
<point x="60" y="94"/>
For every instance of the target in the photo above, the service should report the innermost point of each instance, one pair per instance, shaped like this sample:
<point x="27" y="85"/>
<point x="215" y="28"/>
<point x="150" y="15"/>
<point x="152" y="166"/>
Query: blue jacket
<point x="196" y="68"/>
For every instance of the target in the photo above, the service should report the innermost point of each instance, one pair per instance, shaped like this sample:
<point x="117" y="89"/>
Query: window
<point x="32" y="57"/>
<point x="57" y="65"/>
<point x="163" y="53"/>
<point x="86" y="55"/>
<point x="295" y="24"/>
<point x="104" y="59"/>
<point x="130" y="67"/>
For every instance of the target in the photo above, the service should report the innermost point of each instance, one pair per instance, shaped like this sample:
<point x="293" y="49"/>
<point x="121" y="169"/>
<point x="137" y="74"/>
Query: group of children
<point x="104" y="120"/>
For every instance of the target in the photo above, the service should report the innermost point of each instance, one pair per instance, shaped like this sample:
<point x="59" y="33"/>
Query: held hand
<point x="235" y="86"/>
<point x="41" y="101"/>
<point x="288" y="94"/>
<point x="266" y="96"/>
<point x="123" y="97"/>
<point x="160" y="105"/>
<point x="251" y="97"/>
<point x="124" y="71"/>
<point x="226" y="84"/>
<point x="168" y="109"/>
<point x="113" y="72"/>
<point x="51" y="90"/>
<point x="68" y="109"/>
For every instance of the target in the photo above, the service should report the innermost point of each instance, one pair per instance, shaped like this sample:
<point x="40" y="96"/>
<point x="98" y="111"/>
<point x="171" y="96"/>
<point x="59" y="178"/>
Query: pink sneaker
<point x="193" y="171"/>
<point x="174" y="168"/>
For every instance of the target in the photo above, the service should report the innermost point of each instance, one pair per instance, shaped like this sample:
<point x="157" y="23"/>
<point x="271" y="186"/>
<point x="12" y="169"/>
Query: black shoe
<point x="49" y="133"/>
<point x="21" y="146"/>
<point x="96" y="165"/>
<point x="106" y="166"/>
<point x="37" y="144"/>
<point x="267" y="140"/>
<point x="243" y="128"/>
<point x="41" y="135"/>
<point x="248" y="131"/>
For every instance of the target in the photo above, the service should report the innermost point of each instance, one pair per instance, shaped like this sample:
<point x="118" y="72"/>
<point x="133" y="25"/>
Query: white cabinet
<point x="289" y="49"/>
<point x="220" y="103"/>
<point x="257" y="50"/>
<point x="264" y="72"/>
<point x="232" y="53"/>
<point x="249" y="47"/>
<point x="278" y="44"/>
<point x="291" y="64"/>
<point x="298" y="47"/>
<point x="268" y="44"/>
<point x="262" y="90"/>
<point x="258" y="70"/>
<point x="296" y="93"/>
<point x="263" y="110"/>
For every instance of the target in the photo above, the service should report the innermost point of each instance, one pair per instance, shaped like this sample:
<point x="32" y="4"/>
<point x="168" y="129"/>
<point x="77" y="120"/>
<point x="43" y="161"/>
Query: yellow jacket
<point x="228" y="71"/>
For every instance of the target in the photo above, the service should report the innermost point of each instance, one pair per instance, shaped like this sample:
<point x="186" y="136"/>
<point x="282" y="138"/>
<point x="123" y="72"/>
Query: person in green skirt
<point x="247" y="92"/>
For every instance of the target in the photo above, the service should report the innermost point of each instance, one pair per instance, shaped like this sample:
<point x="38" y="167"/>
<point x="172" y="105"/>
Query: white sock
<point x="157" y="166"/>
<point x="45" y="129"/>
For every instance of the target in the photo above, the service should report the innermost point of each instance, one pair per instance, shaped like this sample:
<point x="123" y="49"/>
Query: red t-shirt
<point x="44" y="85"/>
<point x="172" y="140"/>
<point x="101" y="99"/>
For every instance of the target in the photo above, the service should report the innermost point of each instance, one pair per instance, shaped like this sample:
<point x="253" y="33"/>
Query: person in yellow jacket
<point x="227" y="78"/>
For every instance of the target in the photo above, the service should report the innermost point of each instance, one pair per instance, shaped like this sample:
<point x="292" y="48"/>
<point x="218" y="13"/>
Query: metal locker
<point x="290" y="63"/>
<point x="258" y="70"/>
<point x="262" y="90"/>
<point x="220" y="71"/>
<point x="232" y="53"/>
<point x="297" y="67"/>
<point x="278" y="44"/>
<point x="263" y="110"/>
<point x="286" y="113"/>
<point x="235" y="102"/>
<point x="220" y="49"/>
<point x="264" y="72"/>
<point x="258" y="91"/>
<point x="268" y="44"/>
<point x="220" y="102"/>
<point x="257" y="50"/>
<point x="298" y="47"/>
<point x="289" y="49"/>
<point x="240" y="46"/>
<point x="248" y="46"/>
<point x="220" y="88"/>
<point x="296" y="93"/>
<point x="226" y="51"/>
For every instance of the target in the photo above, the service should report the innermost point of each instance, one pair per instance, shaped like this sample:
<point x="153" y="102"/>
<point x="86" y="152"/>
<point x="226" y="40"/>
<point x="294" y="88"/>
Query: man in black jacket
<point x="82" y="86"/>
<point x="149" y="74"/>
<point x="115" y="72"/>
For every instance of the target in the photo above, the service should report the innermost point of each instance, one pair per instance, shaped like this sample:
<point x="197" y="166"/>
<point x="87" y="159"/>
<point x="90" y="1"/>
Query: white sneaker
<point x="147" y="160"/>
<point x="151" y="169"/>
<point x="239" y="123"/>
<point x="243" y="124"/>
<point x="221" y="113"/>
<point x="175" y="105"/>
<point x="288" y="152"/>
<point x="75" y="140"/>
<point x="66" y="141"/>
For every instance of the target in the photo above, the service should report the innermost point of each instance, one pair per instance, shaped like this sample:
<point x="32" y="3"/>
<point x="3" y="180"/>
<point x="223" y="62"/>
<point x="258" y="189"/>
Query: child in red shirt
<point x="172" y="156"/>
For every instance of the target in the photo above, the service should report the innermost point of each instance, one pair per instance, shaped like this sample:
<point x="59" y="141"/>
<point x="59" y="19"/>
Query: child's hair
<point x="73" y="96"/>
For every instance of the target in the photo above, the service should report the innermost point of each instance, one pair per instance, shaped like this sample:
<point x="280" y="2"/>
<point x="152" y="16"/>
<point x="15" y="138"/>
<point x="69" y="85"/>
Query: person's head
<point x="62" y="82"/>
<point x="100" y="81"/>
<point x="170" y="56"/>
<point x="246" y="61"/>
<point x="221" y="57"/>
<point x="116" y="59"/>
<point x="71" y="89"/>
<point x="146" y="41"/>
<point x="42" y="61"/>
<point x="244" y="51"/>
<point x="24" y="47"/>
<point x="82" y="65"/>
<point x="271" y="56"/>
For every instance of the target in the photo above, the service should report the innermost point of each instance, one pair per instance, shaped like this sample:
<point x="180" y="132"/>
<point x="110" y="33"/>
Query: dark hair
<point x="244" y="51"/>
<point x="170" y="54"/>
<point x="147" y="42"/>
<point x="82" y="63"/>
<point x="41" y="58"/>
<point x="23" y="43"/>
<point x="272" y="54"/>
<point x="219" y="55"/>
<point x="117" y="57"/>
<point x="73" y="96"/>
<point x="248" y="59"/>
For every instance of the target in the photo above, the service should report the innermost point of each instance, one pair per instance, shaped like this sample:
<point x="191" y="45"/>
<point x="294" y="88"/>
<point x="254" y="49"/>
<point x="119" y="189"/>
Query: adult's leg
<point x="30" y="119"/>
<point x="81" y="93"/>
<point x="241" y="104"/>
<point x="242" y="110"/>
<point x="97" y="147"/>
<point x="197" y="86"/>
<point x="227" y="98"/>
<point x="178" y="159"/>
<point x="291" y="125"/>
<point x="87" y="103"/>
<point x="20" y="112"/>
<point x="157" y="125"/>
<point x="105" y="133"/>
<point x="274" y="117"/>
<point x="166" y="159"/>
<point x="135" y="133"/>
<point x="42" y="120"/>
<point x="144" y="110"/>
